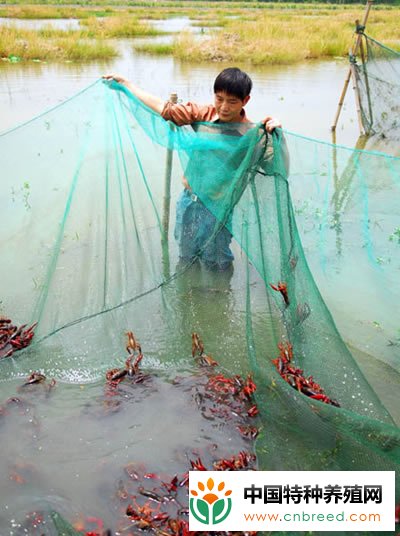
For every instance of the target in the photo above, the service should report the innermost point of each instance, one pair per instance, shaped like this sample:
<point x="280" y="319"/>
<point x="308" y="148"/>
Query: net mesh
<point x="87" y="253"/>
<point x="378" y="76"/>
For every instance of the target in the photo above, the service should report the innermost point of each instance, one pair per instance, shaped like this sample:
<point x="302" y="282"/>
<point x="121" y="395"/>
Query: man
<point x="194" y="222"/>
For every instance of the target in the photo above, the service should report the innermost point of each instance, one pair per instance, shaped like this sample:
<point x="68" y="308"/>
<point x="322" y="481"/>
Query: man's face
<point x="229" y="107"/>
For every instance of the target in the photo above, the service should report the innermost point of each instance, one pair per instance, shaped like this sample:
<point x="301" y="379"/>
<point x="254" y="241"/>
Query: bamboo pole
<point x="167" y="182"/>
<point x="166" y="205"/>
<point x="363" y="59"/>
<point x="341" y="100"/>
<point x="357" y="98"/>
<point x="353" y="52"/>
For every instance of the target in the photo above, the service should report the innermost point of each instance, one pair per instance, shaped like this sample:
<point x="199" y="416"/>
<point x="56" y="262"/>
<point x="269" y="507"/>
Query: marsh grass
<point x="259" y="33"/>
<point x="284" y="37"/>
<point x="196" y="4"/>
<point x="161" y="49"/>
<point x="216" y="23"/>
<point x="85" y="44"/>
<point x="50" y="44"/>
<point x="52" y="12"/>
<point x="121" y="26"/>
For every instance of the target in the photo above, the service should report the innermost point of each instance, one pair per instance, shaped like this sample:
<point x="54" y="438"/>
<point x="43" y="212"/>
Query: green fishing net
<point x="378" y="75"/>
<point x="87" y="251"/>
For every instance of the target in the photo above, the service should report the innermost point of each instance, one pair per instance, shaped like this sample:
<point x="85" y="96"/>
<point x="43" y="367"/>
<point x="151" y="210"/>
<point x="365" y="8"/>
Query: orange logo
<point x="210" y="507"/>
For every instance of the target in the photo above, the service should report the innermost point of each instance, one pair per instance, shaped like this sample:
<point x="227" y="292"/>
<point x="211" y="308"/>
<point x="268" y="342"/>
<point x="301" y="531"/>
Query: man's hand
<point x="271" y="123"/>
<point x="153" y="102"/>
<point x="115" y="78"/>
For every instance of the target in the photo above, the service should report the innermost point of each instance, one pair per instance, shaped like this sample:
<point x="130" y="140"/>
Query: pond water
<point x="39" y="24"/>
<point x="303" y="96"/>
<point x="40" y="460"/>
<point x="175" y="24"/>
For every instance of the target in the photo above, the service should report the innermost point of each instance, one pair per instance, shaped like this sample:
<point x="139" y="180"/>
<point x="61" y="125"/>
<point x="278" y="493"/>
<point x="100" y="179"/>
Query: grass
<point x="285" y="37"/>
<point x="204" y="23"/>
<point x="51" y="12"/>
<point x="17" y="44"/>
<point x="85" y="44"/>
<point x="196" y="4"/>
<point x="259" y="33"/>
<point x="161" y="49"/>
<point x="118" y="26"/>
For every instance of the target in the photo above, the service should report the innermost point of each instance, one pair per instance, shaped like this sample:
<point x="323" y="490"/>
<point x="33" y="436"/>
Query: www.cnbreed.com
<point x="304" y="516"/>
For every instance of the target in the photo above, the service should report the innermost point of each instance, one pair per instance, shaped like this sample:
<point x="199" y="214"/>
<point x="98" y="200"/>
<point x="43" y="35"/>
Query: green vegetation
<point x="117" y="26"/>
<point x="161" y="49"/>
<point x="51" y="12"/>
<point x="225" y="4"/>
<point x="281" y="37"/>
<point x="45" y="45"/>
<point x="256" y="32"/>
<point x="85" y="44"/>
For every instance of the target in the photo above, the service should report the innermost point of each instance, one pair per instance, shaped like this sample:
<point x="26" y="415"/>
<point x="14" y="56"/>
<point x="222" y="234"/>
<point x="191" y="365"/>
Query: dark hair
<point x="234" y="82"/>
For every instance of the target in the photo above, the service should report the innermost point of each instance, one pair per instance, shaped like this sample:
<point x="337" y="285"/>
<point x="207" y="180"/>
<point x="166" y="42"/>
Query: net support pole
<point x="354" y="52"/>
<point x="363" y="59"/>
<point x="167" y="204"/>
<point x="341" y="100"/>
<point x="357" y="98"/>
<point x="167" y="182"/>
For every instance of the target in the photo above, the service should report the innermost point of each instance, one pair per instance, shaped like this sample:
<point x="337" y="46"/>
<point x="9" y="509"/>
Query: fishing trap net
<point x="378" y="86"/>
<point x="87" y="252"/>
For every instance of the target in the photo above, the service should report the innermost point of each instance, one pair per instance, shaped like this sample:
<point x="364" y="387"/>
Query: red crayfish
<point x="14" y="338"/>
<point x="282" y="288"/>
<point x="295" y="376"/>
<point x="131" y="369"/>
<point x="198" y="348"/>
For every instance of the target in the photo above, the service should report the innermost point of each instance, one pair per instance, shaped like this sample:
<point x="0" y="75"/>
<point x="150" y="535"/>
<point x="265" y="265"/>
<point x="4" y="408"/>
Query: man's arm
<point x="180" y="114"/>
<point x="154" y="103"/>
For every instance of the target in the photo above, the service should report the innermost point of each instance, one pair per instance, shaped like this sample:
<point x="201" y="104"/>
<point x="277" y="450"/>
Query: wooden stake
<point x="357" y="97"/>
<point x="166" y="205"/>
<point x="341" y="100"/>
<point x="167" y="182"/>
<point x="353" y="52"/>
<point x="363" y="59"/>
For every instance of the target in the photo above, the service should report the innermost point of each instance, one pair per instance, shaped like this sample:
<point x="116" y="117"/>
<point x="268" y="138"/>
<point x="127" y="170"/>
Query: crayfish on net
<point x="233" y="396"/>
<point x="281" y="287"/>
<point x="131" y="369"/>
<point x="295" y="376"/>
<point x="198" y="353"/>
<point x="224" y="397"/>
<point x="13" y="338"/>
<point x="36" y="378"/>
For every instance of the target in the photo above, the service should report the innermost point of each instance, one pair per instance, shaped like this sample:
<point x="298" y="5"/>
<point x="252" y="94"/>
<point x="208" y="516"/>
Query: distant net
<point x="378" y="78"/>
<point x="86" y="254"/>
